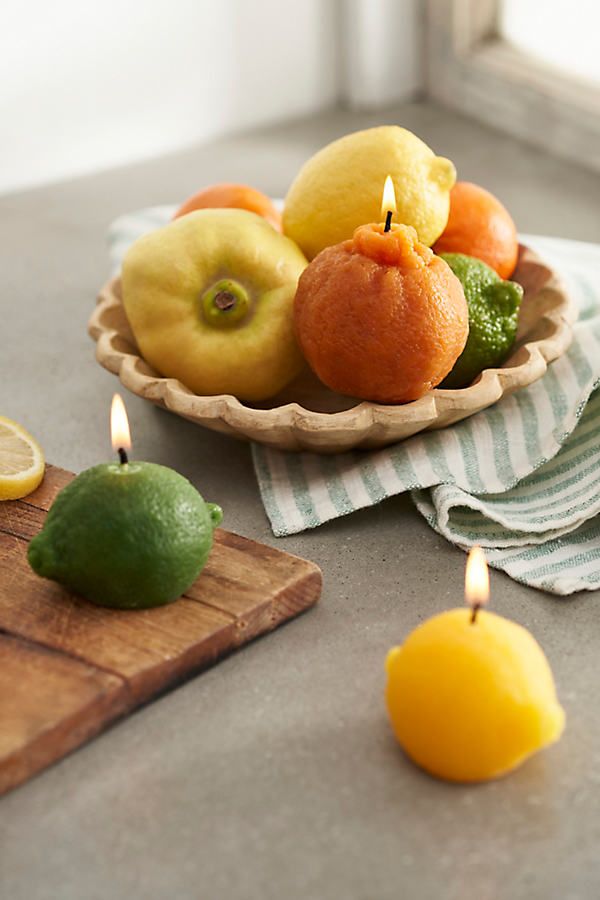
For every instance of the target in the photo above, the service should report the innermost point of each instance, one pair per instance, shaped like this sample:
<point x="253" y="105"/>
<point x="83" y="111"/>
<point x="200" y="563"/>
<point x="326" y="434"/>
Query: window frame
<point x="471" y="68"/>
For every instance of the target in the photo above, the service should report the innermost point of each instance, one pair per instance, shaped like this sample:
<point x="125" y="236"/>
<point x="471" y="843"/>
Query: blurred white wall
<point x="381" y="51"/>
<point x="89" y="85"/>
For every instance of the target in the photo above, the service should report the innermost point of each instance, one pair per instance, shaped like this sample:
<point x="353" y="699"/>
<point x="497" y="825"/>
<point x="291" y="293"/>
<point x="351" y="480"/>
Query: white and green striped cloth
<point x="522" y="478"/>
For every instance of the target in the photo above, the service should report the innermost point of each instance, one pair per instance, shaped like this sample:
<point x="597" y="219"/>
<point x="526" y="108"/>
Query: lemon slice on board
<point x="21" y="461"/>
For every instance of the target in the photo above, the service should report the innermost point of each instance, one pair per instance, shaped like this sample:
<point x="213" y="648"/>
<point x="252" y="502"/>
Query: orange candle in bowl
<point x="380" y="317"/>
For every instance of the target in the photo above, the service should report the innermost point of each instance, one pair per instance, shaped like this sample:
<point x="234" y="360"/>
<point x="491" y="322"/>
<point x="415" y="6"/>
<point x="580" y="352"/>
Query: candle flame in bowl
<point x="477" y="579"/>
<point x="119" y="425"/>
<point x="388" y="201"/>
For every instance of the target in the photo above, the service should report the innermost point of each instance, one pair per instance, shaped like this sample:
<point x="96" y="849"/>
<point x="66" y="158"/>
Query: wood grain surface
<point x="69" y="668"/>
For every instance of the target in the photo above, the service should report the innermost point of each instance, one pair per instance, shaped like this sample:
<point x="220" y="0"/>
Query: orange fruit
<point x="479" y="225"/>
<point x="232" y="196"/>
<point x="380" y="317"/>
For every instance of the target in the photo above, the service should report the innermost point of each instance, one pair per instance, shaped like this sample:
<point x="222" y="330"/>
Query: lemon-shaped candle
<point x="471" y="695"/>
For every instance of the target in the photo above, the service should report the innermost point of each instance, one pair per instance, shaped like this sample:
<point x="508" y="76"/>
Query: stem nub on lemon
<point x="21" y="461"/>
<point x="469" y="701"/>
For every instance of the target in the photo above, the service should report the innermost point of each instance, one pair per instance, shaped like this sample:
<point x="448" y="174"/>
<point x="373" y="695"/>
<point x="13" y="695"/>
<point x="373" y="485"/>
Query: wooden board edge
<point x="125" y="693"/>
<point x="111" y="702"/>
<point x="292" y="600"/>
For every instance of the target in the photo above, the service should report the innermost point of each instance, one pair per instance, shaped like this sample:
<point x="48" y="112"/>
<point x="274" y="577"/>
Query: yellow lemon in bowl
<point x="471" y="701"/>
<point x="340" y="188"/>
<point x="210" y="297"/>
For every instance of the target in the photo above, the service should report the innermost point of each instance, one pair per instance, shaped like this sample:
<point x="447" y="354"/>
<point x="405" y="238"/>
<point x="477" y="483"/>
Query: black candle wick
<point x="388" y="220"/>
<point x="122" y="456"/>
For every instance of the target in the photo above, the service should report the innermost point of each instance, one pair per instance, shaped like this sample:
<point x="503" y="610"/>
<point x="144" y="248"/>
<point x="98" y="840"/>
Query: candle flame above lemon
<point x="119" y="425"/>
<point x="477" y="579"/>
<point x="388" y="201"/>
<point x="468" y="704"/>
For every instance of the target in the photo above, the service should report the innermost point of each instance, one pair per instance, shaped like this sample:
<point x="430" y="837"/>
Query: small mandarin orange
<point x="479" y="225"/>
<point x="232" y="196"/>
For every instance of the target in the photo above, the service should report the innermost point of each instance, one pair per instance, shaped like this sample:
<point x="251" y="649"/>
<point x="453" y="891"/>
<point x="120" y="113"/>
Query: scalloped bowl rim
<point x="303" y="424"/>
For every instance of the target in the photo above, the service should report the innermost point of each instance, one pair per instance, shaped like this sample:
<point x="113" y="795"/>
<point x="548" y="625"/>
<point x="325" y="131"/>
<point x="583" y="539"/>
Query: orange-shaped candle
<point x="470" y="694"/>
<point x="380" y="317"/>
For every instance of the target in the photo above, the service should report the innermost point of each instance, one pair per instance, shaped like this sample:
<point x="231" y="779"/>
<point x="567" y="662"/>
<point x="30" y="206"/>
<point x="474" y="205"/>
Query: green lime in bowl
<point x="493" y="318"/>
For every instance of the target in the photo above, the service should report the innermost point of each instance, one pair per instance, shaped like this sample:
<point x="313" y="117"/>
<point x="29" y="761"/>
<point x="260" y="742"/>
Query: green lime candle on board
<point x="128" y="535"/>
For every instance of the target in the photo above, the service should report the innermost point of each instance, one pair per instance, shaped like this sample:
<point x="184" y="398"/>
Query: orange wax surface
<point x="380" y="317"/>
<point x="397" y="247"/>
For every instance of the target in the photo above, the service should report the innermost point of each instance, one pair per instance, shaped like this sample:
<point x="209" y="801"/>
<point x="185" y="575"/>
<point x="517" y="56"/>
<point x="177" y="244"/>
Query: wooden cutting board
<point x="69" y="668"/>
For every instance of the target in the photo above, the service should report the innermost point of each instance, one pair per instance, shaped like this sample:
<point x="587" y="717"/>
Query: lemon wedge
<point x="21" y="461"/>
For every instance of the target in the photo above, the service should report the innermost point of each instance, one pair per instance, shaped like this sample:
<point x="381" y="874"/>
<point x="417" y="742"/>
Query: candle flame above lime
<point x="388" y="201"/>
<point x="119" y="424"/>
<point x="477" y="579"/>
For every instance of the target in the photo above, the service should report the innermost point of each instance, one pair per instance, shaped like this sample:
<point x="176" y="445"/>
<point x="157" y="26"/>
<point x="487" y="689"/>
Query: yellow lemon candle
<point x="470" y="694"/>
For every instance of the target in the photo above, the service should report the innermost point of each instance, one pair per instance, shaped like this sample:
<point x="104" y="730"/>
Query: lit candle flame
<point x="388" y="201"/>
<point x="119" y="425"/>
<point x="477" y="579"/>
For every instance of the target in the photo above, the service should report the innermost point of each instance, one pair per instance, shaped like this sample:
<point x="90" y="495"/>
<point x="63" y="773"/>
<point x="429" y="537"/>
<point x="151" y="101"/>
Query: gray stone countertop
<point x="275" y="775"/>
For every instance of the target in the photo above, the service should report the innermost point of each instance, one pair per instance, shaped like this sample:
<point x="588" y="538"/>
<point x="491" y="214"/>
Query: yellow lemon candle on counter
<point x="470" y="694"/>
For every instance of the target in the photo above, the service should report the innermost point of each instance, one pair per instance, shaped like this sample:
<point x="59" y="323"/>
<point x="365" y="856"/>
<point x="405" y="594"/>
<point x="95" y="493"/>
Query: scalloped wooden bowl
<point x="308" y="416"/>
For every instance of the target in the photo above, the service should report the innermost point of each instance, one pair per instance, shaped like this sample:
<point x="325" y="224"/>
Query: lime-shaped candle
<point x="131" y="535"/>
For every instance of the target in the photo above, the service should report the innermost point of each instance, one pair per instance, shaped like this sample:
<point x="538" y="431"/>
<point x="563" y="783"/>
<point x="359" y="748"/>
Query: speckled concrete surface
<point x="274" y="775"/>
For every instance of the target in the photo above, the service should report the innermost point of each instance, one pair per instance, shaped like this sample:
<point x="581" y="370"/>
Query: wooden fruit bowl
<point x="308" y="416"/>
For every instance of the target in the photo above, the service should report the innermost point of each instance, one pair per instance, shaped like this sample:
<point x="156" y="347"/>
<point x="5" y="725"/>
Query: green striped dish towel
<point x="521" y="479"/>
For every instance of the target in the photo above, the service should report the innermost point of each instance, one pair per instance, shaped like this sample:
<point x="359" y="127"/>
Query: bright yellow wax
<point x="471" y="701"/>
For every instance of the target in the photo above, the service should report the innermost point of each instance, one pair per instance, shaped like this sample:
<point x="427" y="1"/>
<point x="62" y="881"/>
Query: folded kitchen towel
<point x="521" y="478"/>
